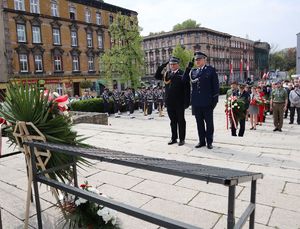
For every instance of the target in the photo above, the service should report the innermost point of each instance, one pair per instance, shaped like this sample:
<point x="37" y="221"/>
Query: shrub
<point x="94" y="105"/>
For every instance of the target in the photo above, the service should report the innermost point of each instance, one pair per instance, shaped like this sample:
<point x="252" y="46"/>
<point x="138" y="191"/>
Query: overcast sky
<point x="274" y="21"/>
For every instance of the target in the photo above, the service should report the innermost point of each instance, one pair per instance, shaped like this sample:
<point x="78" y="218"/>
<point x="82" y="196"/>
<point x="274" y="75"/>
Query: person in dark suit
<point x="244" y="96"/>
<point x="205" y="95"/>
<point x="177" y="98"/>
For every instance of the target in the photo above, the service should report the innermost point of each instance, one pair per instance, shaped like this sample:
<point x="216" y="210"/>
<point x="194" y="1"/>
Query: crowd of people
<point x="198" y="86"/>
<point x="281" y="99"/>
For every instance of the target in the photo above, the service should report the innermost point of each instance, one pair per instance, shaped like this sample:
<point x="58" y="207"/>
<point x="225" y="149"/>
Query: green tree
<point x="183" y="54"/>
<point x="284" y="60"/>
<point x="188" y="24"/>
<point x="124" y="61"/>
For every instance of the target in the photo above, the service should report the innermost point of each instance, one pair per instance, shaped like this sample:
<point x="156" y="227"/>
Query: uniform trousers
<point x="116" y="106"/>
<point x="278" y="112"/>
<point x="242" y="123"/>
<point x="177" y="119"/>
<point x="205" y="124"/>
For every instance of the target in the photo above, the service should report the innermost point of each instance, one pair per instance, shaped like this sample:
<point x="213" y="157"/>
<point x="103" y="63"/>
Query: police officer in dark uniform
<point x="177" y="98"/>
<point x="205" y="95"/>
<point x="105" y="98"/>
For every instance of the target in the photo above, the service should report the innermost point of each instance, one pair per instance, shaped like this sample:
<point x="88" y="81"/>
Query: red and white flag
<point x="241" y="65"/>
<point x="231" y="67"/>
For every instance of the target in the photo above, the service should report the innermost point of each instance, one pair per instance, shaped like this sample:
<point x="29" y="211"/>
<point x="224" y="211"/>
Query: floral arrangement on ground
<point x="81" y="213"/>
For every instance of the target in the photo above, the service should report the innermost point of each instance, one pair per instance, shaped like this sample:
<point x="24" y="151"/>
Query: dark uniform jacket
<point x="205" y="84"/>
<point x="177" y="91"/>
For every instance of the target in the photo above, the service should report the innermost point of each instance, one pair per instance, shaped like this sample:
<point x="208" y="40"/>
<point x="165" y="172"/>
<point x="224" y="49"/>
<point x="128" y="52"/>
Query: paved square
<point x="276" y="155"/>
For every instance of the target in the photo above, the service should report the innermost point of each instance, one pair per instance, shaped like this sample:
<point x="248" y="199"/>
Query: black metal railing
<point x="227" y="177"/>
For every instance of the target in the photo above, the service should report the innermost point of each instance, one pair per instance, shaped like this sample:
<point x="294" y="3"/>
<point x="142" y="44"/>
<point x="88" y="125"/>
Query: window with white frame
<point x="91" y="64"/>
<point x="21" y="32"/>
<point x="72" y="13"/>
<point x="88" y="16"/>
<point x="23" y="62"/>
<point x="38" y="63"/>
<point x="100" y="41"/>
<point x="56" y="36"/>
<point x="89" y="39"/>
<point x="19" y="5"/>
<point x="98" y="18"/>
<point x="58" y="63"/>
<point x="54" y="9"/>
<point x="35" y="6"/>
<point x="74" y="40"/>
<point x="36" y="34"/>
<point x="75" y="63"/>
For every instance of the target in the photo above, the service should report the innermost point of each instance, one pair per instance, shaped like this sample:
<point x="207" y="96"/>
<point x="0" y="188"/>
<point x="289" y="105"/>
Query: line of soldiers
<point x="148" y="99"/>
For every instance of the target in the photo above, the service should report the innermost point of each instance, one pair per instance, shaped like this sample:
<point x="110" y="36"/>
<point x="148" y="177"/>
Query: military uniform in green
<point x="279" y="98"/>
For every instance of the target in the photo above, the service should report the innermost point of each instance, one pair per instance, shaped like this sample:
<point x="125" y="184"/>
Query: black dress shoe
<point x="181" y="143"/>
<point x="199" y="145"/>
<point x="172" y="142"/>
<point x="209" y="146"/>
<point x="275" y="129"/>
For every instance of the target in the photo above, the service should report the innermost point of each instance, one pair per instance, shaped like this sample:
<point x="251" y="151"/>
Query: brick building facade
<point x="232" y="56"/>
<point x="58" y="41"/>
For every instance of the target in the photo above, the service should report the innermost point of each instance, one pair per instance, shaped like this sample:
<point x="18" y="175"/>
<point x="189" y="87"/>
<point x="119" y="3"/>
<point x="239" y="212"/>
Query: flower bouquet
<point x="81" y="213"/>
<point x="235" y="109"/>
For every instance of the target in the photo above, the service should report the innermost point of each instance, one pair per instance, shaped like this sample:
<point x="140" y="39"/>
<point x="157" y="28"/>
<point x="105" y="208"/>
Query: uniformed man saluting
<point x="205" y="94"/>
<point x="177" y="98"/>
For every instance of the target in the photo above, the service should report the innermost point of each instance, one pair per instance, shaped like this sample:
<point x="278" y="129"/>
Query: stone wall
<point x="89" y="117"/>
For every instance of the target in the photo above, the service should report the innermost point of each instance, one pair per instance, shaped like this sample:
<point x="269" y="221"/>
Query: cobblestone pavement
<point x="275" y="154"/>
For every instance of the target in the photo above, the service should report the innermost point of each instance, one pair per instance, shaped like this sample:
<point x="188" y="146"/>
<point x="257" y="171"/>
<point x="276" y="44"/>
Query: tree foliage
<point x="284" y="60"/>
<point x="183" y="54"/>
<point x="124" y="61"/>
<point x="156" y="33"/>
<point x="188" y="24"/>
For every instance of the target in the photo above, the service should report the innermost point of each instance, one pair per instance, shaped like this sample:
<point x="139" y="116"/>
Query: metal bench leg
<point x="0" y="219"/>
<point x="36" y="189"/>
<point x="231" y="207"/>
<point x="252" y="200"/>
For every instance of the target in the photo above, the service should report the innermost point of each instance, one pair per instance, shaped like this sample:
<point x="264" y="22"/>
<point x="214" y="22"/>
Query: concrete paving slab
<point x="274" y="154"/>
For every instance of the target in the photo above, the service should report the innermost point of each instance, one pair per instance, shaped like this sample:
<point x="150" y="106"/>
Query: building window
<point x="111" y="19"/>
<point x="72" y="13"/>
<point x="23" y="63"/>
<point x="58" y="63"/>
<point x="21" y="31"/>
<point x="34" y="6"/>
<point x="19" y="5"/>
<point x="36" y="34"/>
<point x="38" y="63"/>
<point x="54" y="9"/>
<point x="88" y="16"/>
<point x="91" y="64"/>
<point x="56" y="36"/>
<point x="89" y="39"/>
<point x="75" y="63"/>
<point x="100" y="41"/>
<point x="74" y="40"/>
<point x="98" y="18"/>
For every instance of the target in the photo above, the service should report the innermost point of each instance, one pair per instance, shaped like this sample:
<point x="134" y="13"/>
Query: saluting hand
<point x="191" y="64"/>
<point x="164" y="64"/>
